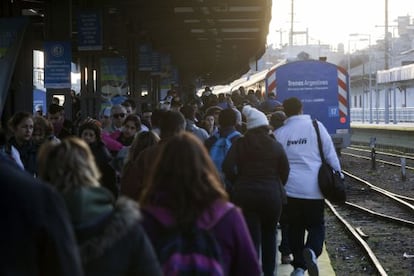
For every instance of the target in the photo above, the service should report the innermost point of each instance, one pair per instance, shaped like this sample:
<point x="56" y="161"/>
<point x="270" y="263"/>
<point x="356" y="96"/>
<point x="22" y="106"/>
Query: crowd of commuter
<point x="116" y="182"/>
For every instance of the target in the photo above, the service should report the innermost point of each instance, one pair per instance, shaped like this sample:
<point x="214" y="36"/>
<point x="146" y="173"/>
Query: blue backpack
<point x="219" y="149"/>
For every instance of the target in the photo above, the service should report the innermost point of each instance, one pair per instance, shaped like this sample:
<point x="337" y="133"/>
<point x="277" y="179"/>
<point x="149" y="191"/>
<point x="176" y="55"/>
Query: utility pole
<point x="280" y="31"/>
<point x="291" y="23"/>
<point x="386" y="40"/>
<point x="386" y="65"/>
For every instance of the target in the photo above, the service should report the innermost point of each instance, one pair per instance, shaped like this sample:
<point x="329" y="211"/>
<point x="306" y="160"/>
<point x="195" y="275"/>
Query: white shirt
<point x="298" y="138"/>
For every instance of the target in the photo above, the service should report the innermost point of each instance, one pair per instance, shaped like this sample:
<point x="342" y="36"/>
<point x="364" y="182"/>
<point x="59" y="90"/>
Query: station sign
<point x="156" y="62"/>
<point x="89" y="31"/>
<point x="145" y="57"/>
<point x="12" y="31"/>
<point x="57" y="60"/>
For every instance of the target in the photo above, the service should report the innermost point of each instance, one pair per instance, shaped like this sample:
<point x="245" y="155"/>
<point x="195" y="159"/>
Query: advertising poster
<point x="113" y="78"/>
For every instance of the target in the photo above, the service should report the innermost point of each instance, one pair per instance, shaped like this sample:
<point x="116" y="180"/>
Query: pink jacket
<point x="109" y="139"/>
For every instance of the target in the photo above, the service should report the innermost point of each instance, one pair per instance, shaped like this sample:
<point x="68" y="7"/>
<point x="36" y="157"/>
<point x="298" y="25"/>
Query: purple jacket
<point x="230" y="229"/>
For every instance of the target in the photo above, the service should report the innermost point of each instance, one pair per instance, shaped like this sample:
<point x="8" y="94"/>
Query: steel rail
<point x="384" y="192"/>
<point x="382" y="216"/>
<point x="410" y="157"/>
<point x="377" y="160"/>
<point x="372" y="257"/>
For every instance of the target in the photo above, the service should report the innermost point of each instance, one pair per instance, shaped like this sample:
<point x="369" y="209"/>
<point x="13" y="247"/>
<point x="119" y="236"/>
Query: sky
<point x="331" y="21"/>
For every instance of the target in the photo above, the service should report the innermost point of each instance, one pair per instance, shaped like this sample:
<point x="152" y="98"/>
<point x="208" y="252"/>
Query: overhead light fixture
<point x="237" y="20"/>
<point x="197" y="31"/>
<point x="213" y="31"/>
<point x="183" y="9"/>
<point x="191" y="21"/>
<point x="205" y="10"/>
<point x="240" y="30"/>
<point x="31" y="12"/>
<point x="239" y="38"/>
<point x="245" y="9"/>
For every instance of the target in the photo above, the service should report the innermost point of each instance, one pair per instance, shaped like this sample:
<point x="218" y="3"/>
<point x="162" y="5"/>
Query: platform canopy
<point x="213" y="40"/>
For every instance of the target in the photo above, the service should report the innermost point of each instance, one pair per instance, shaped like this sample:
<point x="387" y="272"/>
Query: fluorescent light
<point x="240" y="30"/>
<point x="197" y="31"/>
<point x="238" y="20"/>
<point x="245" y="9"/>
<point x="191" y="21"/>
<point x="183" y="9"/>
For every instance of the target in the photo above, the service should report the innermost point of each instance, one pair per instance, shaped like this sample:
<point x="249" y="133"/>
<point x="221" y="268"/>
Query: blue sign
<point x="39" y="101"/>
<point x="165" y="66"/>
<point x="156" y="62"/>
<point x="89" y="31"/>
<point x="12" y="31"/>
<point x="333" y="111"/>
<point x="58" y="56"/>
<point x="8" y="33"/>
<point x="145" y="57"/>
<point x="174" y="76"/>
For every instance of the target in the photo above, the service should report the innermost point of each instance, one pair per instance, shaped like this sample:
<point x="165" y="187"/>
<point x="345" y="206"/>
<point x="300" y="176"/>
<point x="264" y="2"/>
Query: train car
<point x="323" y="88"/>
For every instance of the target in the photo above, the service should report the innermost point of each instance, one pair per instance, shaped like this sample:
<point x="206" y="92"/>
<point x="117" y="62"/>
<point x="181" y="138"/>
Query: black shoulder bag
<point x="330" y="181"/>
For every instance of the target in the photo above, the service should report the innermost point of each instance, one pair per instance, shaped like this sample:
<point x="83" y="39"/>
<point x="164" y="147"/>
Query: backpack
<point x="195" y="252"/>
<point x="219" y="149"/>
<point x="187" y="253"/>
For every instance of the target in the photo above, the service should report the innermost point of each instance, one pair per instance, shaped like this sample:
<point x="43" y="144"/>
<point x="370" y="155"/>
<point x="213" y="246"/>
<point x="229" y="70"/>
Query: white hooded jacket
<point x="298" y="138"/>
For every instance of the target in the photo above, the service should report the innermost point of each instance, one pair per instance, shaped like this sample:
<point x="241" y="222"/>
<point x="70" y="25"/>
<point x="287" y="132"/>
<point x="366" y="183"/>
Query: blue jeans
<point x="305" y="215"/>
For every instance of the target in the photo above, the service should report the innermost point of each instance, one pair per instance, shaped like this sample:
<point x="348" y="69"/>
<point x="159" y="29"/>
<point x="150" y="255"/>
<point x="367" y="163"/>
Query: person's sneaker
<point x="286" y="259"/>
<point x="311" y="262"/>
<point x="298" y="272"/>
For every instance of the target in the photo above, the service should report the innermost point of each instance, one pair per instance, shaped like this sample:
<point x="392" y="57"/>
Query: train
<point x="323" y="88"/>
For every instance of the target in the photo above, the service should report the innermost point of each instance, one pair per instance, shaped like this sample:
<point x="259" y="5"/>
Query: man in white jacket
<point x="305" y="206"/>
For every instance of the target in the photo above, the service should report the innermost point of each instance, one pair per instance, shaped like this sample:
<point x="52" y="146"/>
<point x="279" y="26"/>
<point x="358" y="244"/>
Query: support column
<point x="58" y="27"/>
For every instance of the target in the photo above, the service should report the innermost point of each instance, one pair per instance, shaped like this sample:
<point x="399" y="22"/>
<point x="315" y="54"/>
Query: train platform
<point x="397" y="136"/>
<point x="382" y="125"/>
<point x="324" y="263"/>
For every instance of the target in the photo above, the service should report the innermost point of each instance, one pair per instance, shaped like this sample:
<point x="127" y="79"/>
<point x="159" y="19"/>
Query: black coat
<point x="103" y="159"/>
<point x="35" y="235"/>
<point x="258" y="168"/>
<point x="28" y="155"/>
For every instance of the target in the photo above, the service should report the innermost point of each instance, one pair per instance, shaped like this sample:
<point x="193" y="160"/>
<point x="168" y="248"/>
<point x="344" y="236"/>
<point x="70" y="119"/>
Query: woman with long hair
<point x="143" y="140"/>
<point x="130" y="128"/>
<point x="110" y="238"/>
<point x="128" y="182"/>
<point x="184" y="190"/>
<point x="90" y="132"/>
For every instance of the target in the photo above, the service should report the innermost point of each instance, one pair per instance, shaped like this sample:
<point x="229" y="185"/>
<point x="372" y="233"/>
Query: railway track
<point x="377" y="216"/>
<point x="388" y="158"/>
<point x="387" y="172"/>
